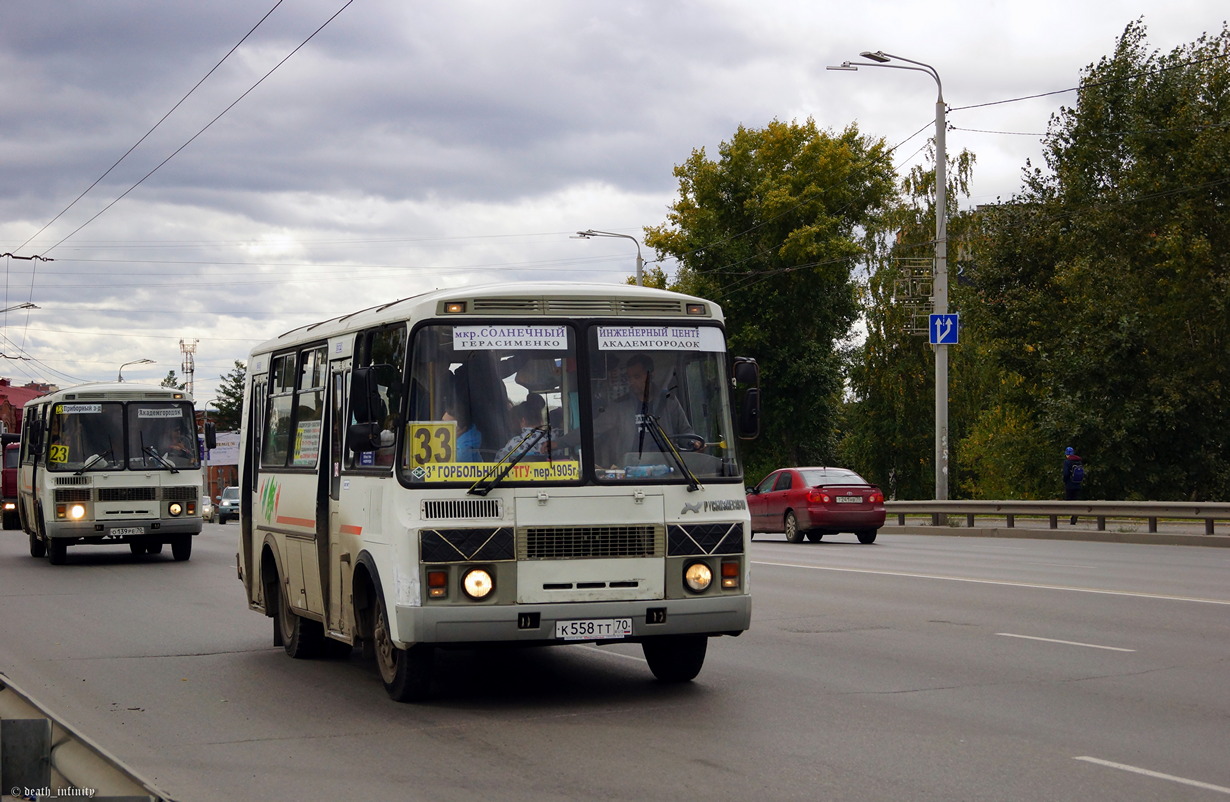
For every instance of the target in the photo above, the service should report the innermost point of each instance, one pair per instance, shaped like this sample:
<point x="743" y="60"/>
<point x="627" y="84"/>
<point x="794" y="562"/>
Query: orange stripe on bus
<point x="347" y="529"/>
<point x="306" y="522"/>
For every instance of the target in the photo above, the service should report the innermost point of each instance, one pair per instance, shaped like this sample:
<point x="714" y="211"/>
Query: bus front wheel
<point x="181" y="547"/>
<point x="675" y="658"/>
<point x="406" y="672"/>
<point x="57" y="551"/>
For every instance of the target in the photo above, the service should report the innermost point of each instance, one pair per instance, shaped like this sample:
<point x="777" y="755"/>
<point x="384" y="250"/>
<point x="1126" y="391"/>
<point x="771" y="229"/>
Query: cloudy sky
<point x="415" y="144"/>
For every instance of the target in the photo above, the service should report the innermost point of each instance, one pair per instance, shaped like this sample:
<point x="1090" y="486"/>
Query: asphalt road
<point x="917" y="668"/>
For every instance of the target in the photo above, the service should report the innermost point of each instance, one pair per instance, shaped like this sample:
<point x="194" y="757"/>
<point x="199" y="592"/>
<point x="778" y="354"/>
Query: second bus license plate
<point x="131" y="530"/>
<point x="593" y="629"/>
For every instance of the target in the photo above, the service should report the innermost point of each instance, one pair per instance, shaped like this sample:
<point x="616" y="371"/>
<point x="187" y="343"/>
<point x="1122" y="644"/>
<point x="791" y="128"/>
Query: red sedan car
<point x="816" y="502"/>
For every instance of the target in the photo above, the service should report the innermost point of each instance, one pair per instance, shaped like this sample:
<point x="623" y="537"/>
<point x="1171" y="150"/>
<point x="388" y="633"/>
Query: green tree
<point x="229" y="398"/>
<point x="172" y="381"/>
<point x="772" y="230"/>
<point x="1104" y="284"/>
<point x="890" y="436"/>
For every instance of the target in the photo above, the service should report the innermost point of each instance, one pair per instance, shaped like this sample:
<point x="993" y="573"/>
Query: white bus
<point x="110" y="463"/>
<point x="524" y="463"/>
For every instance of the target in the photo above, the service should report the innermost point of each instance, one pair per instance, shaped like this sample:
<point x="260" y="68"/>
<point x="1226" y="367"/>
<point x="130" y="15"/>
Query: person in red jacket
<point x="1073" y="476"/>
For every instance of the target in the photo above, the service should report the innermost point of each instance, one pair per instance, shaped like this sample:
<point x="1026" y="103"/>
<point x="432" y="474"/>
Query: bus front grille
<point x="704" y="539"/>
<point x="580" y="542"/>
<point x="465" y="545"/>
<point x="127" y="493"/>
<point x="67" y="495"/>
<point x="462" y="508"/>
<point x="188" y="493"/>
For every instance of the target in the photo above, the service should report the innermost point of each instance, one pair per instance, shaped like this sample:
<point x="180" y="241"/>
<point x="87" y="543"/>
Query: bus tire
<point x="11" y="520"/>
<point x="57" y="551"/>
<point x="302" y="638"/>
<point x="406" y="673"/>
<point x="181" y="548"/>
<point x="675" y="658"/>
<point x="38" y="548"/>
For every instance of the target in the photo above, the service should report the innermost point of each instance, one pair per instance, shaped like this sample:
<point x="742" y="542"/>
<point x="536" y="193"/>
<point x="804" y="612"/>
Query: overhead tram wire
<point x="146" y="135"/>
<point x="205" y="128"/>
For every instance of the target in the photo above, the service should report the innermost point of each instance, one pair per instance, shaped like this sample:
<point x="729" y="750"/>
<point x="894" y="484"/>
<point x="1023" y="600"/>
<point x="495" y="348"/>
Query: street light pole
<point x="119" y="377"/>
<point x="939" y="291"/>
<point x="640" y="263"/>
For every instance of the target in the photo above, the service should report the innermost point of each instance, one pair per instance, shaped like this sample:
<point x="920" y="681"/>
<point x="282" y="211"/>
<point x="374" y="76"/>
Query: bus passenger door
<point x="337" y="573"/>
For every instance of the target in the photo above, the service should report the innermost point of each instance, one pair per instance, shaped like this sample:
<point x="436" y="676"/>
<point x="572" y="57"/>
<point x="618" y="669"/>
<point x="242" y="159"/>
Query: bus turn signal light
<point x="730" y="574"/>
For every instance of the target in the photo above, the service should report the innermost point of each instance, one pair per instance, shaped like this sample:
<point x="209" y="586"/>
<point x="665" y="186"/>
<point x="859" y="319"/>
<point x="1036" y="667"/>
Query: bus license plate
<point x="593" y="629"/>
<point x="129" y="530"/>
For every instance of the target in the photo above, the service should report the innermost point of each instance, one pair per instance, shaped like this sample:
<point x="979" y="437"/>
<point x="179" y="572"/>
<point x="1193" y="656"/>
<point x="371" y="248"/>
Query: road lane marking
<point x="608" y="653"/>
<point x="1065" y="642"/>
<point x="1156" y="774"/>
<point x="1039" y="586"/>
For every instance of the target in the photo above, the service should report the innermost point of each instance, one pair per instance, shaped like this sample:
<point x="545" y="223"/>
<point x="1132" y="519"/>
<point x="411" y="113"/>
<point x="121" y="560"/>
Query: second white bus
<point x="110" y="462"/>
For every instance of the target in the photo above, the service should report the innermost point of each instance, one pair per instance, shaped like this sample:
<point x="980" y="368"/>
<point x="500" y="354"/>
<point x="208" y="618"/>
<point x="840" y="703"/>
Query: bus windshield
<point x="642" y="403"/>
<point x="91" y="436"/>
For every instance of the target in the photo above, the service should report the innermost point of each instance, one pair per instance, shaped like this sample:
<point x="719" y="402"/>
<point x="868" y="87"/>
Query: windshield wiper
<point x="90" y="463"/>
<point x="153" y="452"/>
<point x="663" y="441"/>
<point x="518" y="452"/>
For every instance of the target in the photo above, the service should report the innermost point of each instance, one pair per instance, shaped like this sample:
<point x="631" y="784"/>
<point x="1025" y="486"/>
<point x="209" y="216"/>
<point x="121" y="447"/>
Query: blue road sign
<point x="944" y="329"/>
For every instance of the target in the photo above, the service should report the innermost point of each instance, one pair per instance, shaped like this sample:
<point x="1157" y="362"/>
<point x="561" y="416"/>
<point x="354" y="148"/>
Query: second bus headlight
<point x="697" y="576"/>
<point x="176" y="509"/>
<point x="76" y="512"/>
<point x="478" y="583"/>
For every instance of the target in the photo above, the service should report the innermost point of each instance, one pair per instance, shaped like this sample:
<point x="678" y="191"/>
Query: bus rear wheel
<point x="675" y="658"/>
<point x="302" y="638"/>
<point x="406" y="673"/>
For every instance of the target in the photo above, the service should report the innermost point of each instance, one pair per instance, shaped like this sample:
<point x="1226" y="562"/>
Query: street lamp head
<point x="845" y="65"/>
<point x="878" y="56"/>
<point x="120" y="376"/>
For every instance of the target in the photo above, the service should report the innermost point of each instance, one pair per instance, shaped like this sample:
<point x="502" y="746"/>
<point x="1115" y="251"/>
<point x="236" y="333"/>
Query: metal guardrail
<point x="1208" y="513"/>
<point x="42" y="757"/>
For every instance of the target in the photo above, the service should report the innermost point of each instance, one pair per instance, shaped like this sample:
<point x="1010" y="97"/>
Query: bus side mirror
<point x="747" y="371"/>
<point x="211" y="435"/>
<point x="365" y="402"/>
<point x="747" y="397"/>
<point x="363" y="437"/>
<point x="749" y="414"/>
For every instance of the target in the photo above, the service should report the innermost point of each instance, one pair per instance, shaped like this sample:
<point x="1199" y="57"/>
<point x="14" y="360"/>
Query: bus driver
<point x="618" y="430"/>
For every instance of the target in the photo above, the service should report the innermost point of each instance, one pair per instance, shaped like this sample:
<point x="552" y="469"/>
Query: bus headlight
<point x="176" y="509"/>
<point x="478" y="583"/>
<point x="76" y="512"/>
<point x="697" y="576"/>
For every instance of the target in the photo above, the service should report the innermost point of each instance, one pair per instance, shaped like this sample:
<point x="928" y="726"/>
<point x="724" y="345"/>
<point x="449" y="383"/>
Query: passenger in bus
<point x="618" y="430"/>
<point x="530" y="414"/>
<point x="465" y="448"/>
